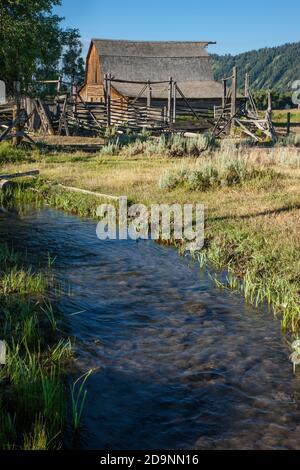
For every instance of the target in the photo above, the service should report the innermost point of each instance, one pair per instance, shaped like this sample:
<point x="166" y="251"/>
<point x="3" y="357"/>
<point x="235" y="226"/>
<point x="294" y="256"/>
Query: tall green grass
<point x="10" y="154"/>
<point x="78" y="396"/>
<point x="257" y="270"/>
<point x="33" y="397"/>
<point x="20" y="194"/>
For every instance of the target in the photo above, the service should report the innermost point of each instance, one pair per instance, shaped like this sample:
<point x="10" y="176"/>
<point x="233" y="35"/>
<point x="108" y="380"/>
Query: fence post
<point x="224" y="92"/>
<point x="149" y="99"/>
<point x="108" y="100"/>
<point x="247" y="88"/>
<point x="174" y="102"/>
<point x="59" y="85"/>
<point x="170" y="100"/>
<point x="247" y="85"/>
<point x="233" y="97"/>
<point x="270" y="107"/>
<point x="74" y="98"/>
<point x="149" y="95"/>
<point x="288" y="127"/>
<point x="16" y="111"/>
<point x="105" y="90"/>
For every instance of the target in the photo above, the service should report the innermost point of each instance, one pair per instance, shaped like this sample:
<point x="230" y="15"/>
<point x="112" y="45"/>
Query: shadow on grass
<point x="281" y="210"/>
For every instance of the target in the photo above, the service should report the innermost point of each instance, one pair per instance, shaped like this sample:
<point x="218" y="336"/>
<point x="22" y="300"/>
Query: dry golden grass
<point x="275" y="204"/>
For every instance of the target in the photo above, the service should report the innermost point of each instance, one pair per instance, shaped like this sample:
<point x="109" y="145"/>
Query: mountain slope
<point x="270" y="68"/>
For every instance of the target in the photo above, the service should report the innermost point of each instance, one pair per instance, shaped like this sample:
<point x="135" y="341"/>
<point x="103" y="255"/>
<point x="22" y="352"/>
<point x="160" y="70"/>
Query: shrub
<point x="111" y="150"/>
<point x="137" y="148"/>
<point x="284" y="156"/>
<point x="217" y="172"/>
<point x="171" y="145"/>
<point x="178" y="146"/>
<point x="169" y="181"/>
<point x="293" y="140"/>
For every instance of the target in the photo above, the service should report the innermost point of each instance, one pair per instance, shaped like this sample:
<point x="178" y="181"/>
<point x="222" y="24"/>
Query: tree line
<point x="34" y="46"/>
<point x="273" y="69"/>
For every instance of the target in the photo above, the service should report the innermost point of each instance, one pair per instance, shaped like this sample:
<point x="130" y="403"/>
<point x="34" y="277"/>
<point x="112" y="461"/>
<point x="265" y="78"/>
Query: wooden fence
<point x="169" y="111"/>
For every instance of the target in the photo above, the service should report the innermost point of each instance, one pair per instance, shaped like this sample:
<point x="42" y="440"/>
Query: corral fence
<point x="159" y="104"/>
<point x="133" y="105"/>
<point x="156" y="107"/>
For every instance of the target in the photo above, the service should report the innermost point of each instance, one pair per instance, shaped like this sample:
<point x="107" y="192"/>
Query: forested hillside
<point x="270" y="68"/>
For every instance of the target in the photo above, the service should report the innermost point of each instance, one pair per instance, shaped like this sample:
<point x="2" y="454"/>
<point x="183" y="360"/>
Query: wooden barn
<point x="130" y="63"/>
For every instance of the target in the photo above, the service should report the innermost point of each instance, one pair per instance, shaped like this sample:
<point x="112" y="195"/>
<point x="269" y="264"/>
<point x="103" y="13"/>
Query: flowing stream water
<point x="178" y="363"/>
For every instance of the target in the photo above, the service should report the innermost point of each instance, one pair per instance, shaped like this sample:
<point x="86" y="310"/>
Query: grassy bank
<point x="251" y="197"/>
<point x="32" y="395"/>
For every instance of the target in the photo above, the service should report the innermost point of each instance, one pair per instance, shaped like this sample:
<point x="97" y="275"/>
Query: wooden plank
<point x="90" y="112"/>
<point x="247" y="131"/>
<point x="139" y="82"/>
<point x="13" y="125"/>
<point x="90" y="193"/>
<point x="23" y="135"/>
<point x="4" y="184"/>
<point x="139" y="95"/>
<point x="187" y="103"/>
<point x="44" y="117"/>
<point x="3" y="353"/>
<point x="11" y="176"/>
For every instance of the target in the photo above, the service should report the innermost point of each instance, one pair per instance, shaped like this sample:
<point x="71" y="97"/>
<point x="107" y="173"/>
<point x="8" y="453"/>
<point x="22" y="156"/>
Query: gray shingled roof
<point x="186" y="62"/>
<point x="112" y="47"/>
<point x="157" y="68"/>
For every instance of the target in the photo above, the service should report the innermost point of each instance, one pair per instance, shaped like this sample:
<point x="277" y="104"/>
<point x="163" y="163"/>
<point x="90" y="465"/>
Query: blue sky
<point x="236" y="25"/>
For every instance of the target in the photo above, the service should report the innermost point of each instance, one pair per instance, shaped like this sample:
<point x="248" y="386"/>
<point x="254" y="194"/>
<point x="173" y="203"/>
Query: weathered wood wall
<point x="93" y="89"/>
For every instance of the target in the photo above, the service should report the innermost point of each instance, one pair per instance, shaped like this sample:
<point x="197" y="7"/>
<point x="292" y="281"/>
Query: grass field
<point x="252" y="217"/>
<point x="281" y="115"/>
